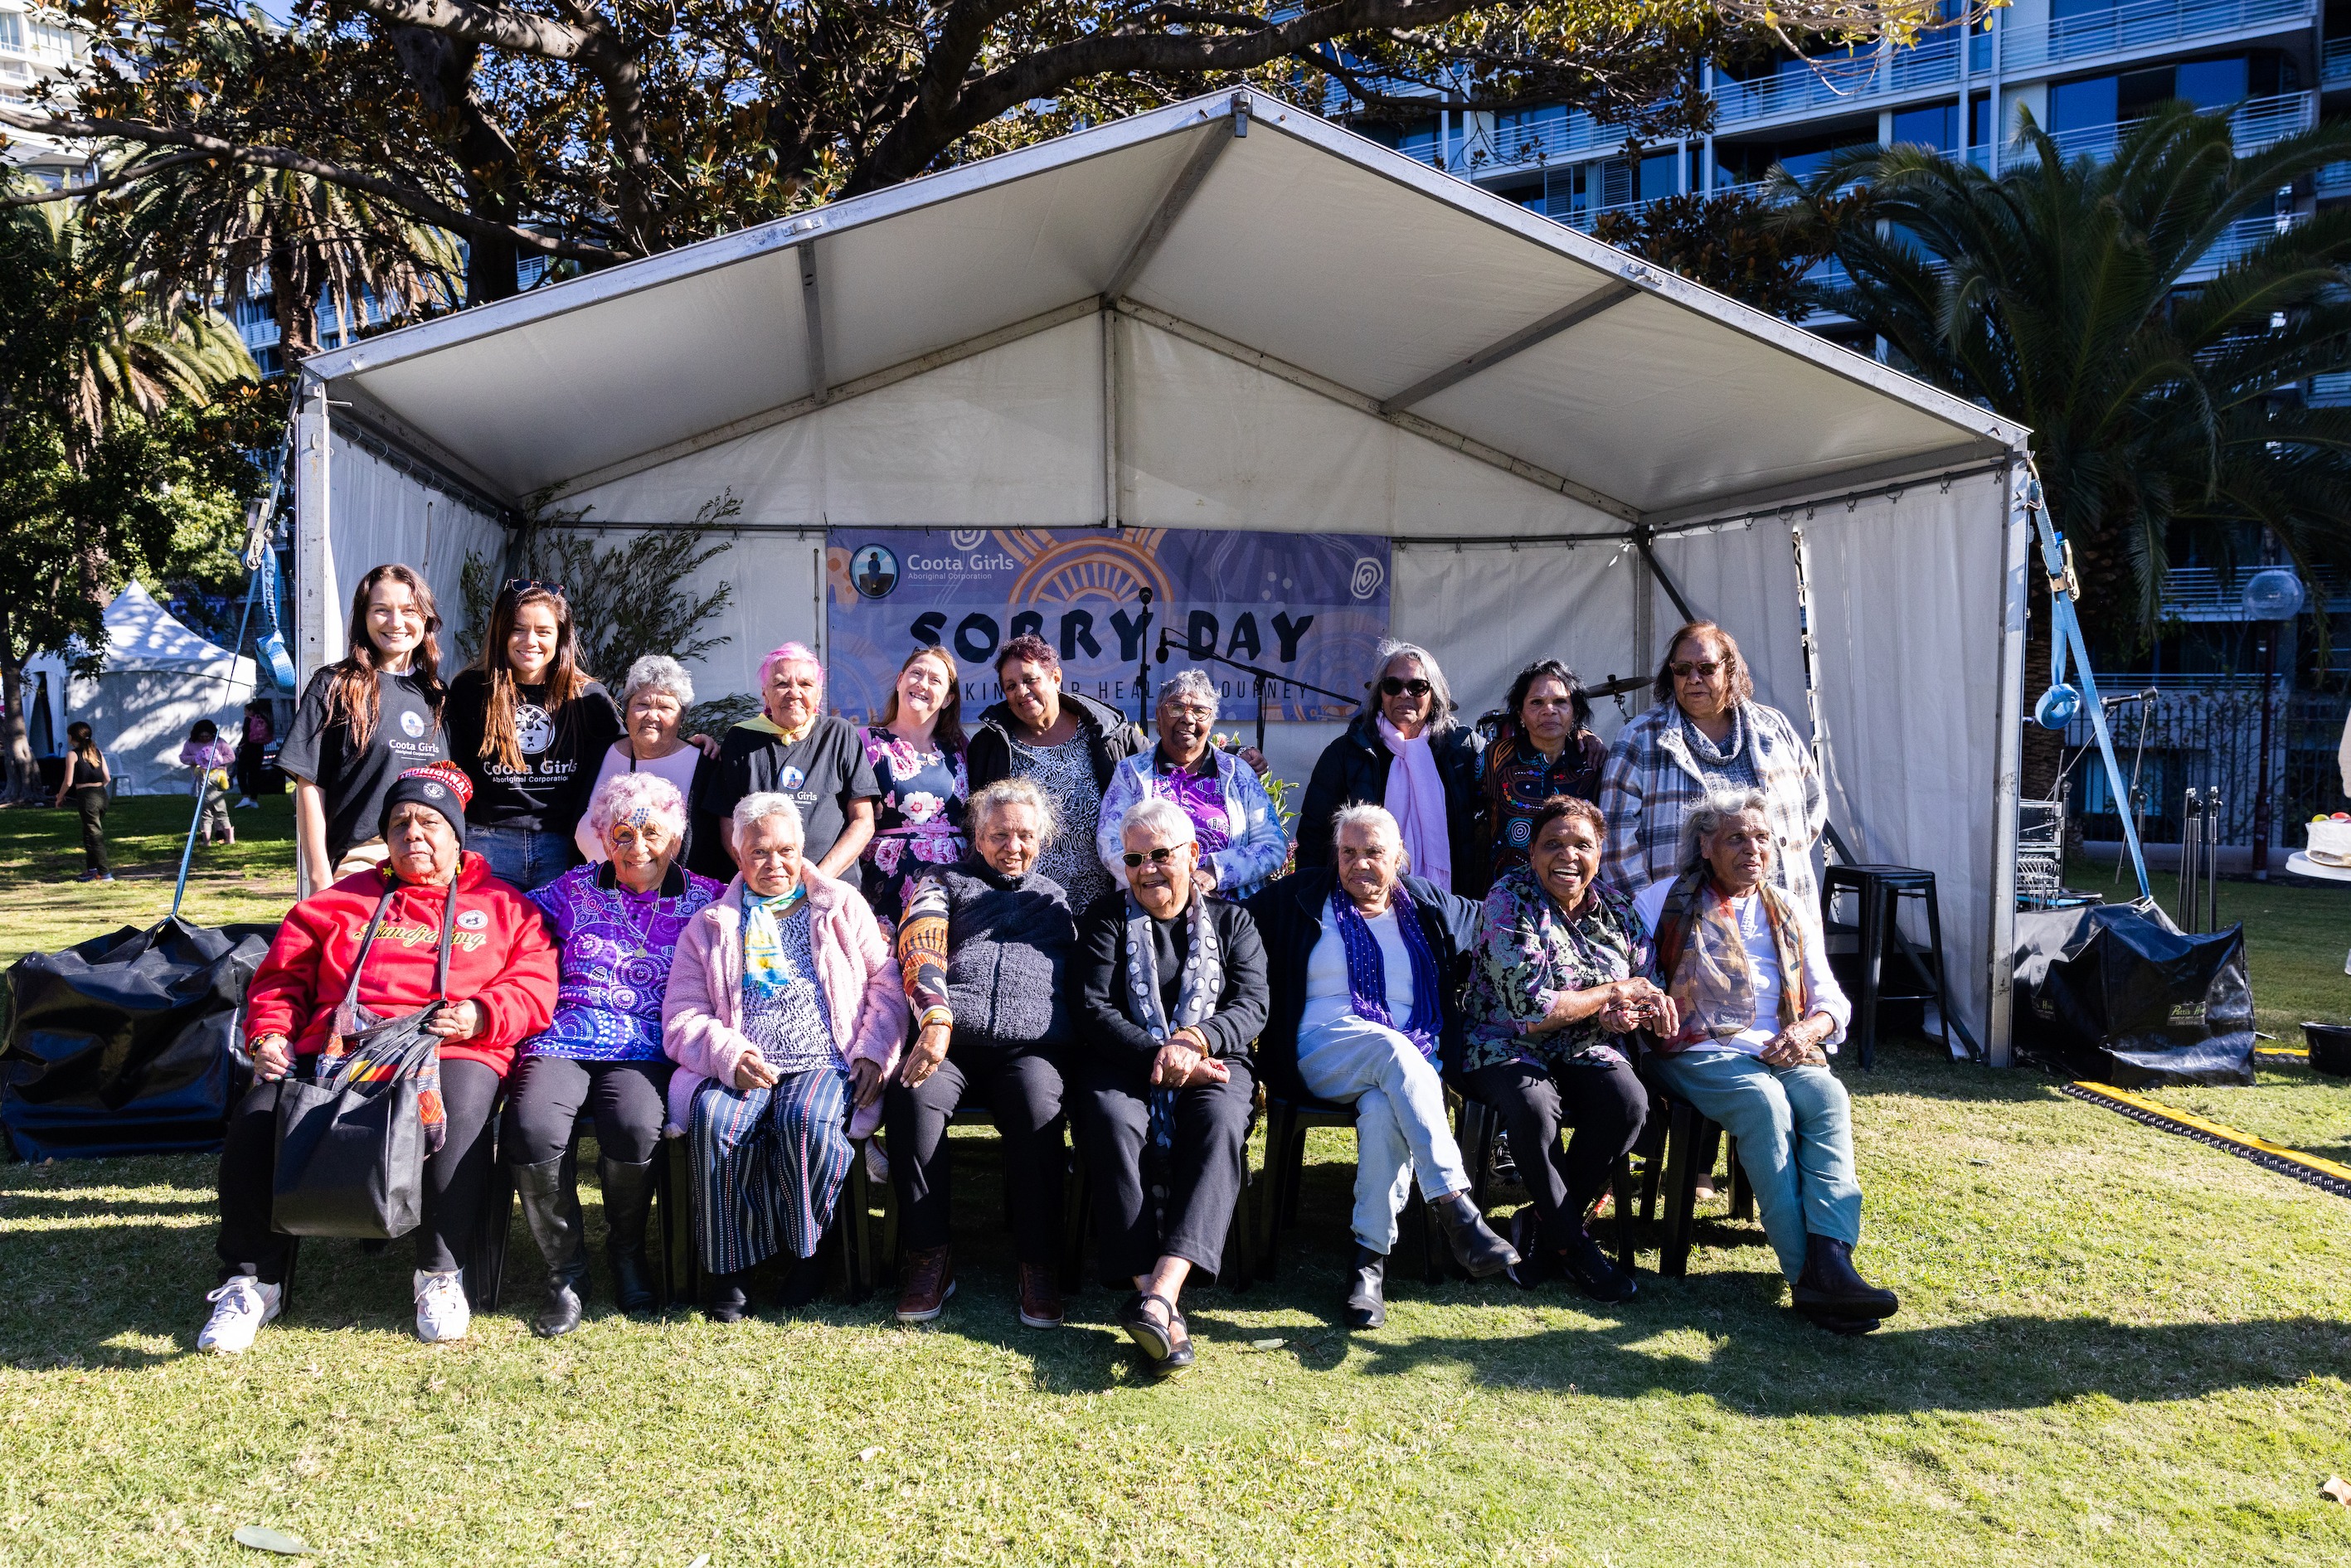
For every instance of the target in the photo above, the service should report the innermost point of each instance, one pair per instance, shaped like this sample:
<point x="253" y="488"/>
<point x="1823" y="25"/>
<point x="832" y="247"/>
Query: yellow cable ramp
<point x="2324" y="1174"/>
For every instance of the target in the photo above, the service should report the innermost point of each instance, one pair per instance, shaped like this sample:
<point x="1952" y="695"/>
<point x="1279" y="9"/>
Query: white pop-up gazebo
<point x="1235" y="315"/>
<point x="156" y="679"/>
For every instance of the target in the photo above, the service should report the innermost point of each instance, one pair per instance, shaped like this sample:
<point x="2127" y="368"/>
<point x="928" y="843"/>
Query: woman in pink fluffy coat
<point x="785" y="1016"/>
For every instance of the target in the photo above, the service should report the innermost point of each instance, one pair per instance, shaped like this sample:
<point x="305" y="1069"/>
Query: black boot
<point x="1594" y="1273"/>
<point x="628" y="1200"/>
<point x="1832" y="1295"/>
<point x="1366" y="1307"/>
<point x="550" y="1206"/>
<point x="729" y="1303"/>
<point x="1475" y="1246"/>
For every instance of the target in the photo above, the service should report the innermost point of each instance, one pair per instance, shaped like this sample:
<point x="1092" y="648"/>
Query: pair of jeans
<point x="454" y="1176"/>
<point x="525" y="858"/>
<point x="1794" y="1128"/>
<point x="1400" y="1127"/>
<point x="1021" y="1087"/>
<point x="1599" y="1096"/>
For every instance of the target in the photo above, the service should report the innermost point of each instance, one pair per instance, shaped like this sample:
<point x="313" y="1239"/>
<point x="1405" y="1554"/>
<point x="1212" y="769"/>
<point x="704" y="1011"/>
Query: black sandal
<point x="1147" y="1333"/>
<point x="1179" y="1357"/>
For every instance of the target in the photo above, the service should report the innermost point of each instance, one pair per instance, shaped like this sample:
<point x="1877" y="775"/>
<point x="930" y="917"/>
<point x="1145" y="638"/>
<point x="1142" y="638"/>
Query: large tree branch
<point x="113" y="181"/>
<point x="442" y="69"/>
<point x="430" y="208"/>
<point x="469" y="22"/>
<point x="922" y="135"/>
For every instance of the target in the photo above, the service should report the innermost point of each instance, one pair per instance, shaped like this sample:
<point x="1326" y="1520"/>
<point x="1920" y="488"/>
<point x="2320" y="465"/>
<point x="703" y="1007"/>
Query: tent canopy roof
<point x="1436" y="303"/>
<point x="141" y="634"/>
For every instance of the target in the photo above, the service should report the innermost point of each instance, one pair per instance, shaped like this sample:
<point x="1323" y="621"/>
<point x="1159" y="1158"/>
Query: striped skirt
<point x="768" y="1167"/>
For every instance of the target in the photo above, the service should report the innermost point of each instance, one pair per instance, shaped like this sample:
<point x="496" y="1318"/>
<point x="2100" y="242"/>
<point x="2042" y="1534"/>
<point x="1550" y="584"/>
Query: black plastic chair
<point x="1076" y="1200"/>
<point x="1477" y="1128"/>
<point x="1288" y="1120"/>
<point x="1691" y="1138"/>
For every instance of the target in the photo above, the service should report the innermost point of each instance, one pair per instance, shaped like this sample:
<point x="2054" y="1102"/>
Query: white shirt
<point x="1327" y="994"/>
<point x="677" y="767"/>
<point x="1763" y="959"/>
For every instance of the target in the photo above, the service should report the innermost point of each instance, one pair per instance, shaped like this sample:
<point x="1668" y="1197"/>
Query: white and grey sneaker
<point x="442" y="1315"/>
<point x="241" y="1306"/>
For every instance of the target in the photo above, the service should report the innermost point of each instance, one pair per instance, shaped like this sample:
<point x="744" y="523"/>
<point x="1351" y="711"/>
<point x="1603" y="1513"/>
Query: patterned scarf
<point x="1202" y="983"/>
<point x="1704" y="964"/>
<point x="767" y="972"/>
<point x="1367" y="979"/>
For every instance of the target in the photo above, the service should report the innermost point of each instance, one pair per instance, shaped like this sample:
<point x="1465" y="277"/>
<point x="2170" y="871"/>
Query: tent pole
<point x="313" y="555"/>
<point x="1641" y="538"/>
<point x="1109" y="415"/>
<point x="1999" y="1046"/>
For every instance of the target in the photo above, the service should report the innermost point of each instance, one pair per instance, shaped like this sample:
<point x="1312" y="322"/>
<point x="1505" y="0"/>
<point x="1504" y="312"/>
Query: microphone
<point x="1146" y="595"/>
<point x="1163" y="644"/>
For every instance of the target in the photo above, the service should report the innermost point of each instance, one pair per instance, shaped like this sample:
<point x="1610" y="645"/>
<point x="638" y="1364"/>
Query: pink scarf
<point x="1416" y="800"/>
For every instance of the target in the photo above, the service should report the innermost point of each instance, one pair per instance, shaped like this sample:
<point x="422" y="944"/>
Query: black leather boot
<point x="729" y="1302"/>
<point x="550" y="1206"/>
<point x="1588" y="1265"/>
<point x="1832" y="1295"/>
<point x="1367" y="1308"/>
<point x="1475" y="1246"/>
<point x="628" y="1200"/>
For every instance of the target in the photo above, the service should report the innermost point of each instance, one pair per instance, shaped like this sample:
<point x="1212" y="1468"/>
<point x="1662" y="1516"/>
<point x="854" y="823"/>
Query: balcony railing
<point x="2137" y="25"/>
<point x="2258" y="123"/>
<point x="2202" y="593"/>
<point x="2332" y="391"/>
<point x="2336" y="64"/>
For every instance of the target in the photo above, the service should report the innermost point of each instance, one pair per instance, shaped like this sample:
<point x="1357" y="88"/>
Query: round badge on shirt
<point x="412" y="726"/>
<point x="473" y="920"/>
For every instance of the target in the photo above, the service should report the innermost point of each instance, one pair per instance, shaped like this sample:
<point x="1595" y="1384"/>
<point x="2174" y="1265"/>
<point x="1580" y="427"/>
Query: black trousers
<point x="453" y="1177"/>
<point x="91" y="799"/>
<point x="629" y="1099"/>
<point x="1199" y="1179"/>
<point x="1022" y="1086"/>
<point x="1605" y="1104"/>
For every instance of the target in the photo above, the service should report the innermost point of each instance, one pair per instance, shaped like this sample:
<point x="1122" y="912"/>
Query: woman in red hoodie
<point x="502" y="974"/>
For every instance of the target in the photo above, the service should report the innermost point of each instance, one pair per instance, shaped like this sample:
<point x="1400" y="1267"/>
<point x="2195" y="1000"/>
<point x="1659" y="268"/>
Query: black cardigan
<point x="1355" y="768"/>
<point x="1288" y="915"/>
<point x="1111" y="737"/>
<point x="1103" y="1025"/>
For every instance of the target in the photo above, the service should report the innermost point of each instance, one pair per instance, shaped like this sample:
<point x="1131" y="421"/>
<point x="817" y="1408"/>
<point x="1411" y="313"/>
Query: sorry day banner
<point x="1310" y="608"/>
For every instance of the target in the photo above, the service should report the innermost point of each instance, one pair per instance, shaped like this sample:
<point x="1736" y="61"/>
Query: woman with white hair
<point x="1171" y="993"/>
<point x="615" y="926"/>
<point x="1241" y="846"/>
<point x="653" y="700"/>
<point x="1756" y="1012"/>
<point x="1406" y="751"/>
<point x="785" y="1018"/>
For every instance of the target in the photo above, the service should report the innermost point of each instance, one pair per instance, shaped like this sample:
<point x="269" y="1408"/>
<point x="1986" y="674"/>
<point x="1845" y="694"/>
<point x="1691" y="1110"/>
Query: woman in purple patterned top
<point x="916" y="751"/>
<point x="616" y="926"/>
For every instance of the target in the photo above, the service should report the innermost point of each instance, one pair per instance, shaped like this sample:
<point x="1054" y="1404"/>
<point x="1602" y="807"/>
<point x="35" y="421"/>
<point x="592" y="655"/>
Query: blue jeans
<point x="1399" y="1119"/>
<point x="521" y="856"/>
<point x="1794" y="1128"/>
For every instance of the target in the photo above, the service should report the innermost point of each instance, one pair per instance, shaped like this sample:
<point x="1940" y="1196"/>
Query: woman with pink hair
<point x="792" y="748"/>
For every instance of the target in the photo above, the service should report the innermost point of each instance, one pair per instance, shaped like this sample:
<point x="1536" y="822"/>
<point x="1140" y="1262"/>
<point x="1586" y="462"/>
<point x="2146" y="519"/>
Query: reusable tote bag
<point x="351" y="1143"/>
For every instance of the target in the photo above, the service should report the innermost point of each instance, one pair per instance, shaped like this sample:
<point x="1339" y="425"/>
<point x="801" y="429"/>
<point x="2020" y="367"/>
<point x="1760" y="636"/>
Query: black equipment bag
<point x="352" y="1140"/>
<point x="128" y="1043"/>
<point x="2118" y="995"/>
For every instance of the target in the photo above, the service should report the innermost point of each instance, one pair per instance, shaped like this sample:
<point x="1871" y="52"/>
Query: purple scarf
<point x="1367" y="979"/>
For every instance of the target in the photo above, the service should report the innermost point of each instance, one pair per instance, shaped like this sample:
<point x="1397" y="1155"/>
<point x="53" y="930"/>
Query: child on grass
<point x="210" y="755"/>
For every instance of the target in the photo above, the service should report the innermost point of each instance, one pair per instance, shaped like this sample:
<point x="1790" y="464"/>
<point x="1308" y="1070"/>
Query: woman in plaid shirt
<point x="1711" y="735"/>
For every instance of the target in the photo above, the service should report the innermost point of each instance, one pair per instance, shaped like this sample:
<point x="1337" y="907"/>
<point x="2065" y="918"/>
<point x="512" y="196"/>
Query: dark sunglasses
<point x="1391" y="686"/>
<point x="517" y="586"/>
<point x="1159" y="856"/>
<point x="1706" y="670"/>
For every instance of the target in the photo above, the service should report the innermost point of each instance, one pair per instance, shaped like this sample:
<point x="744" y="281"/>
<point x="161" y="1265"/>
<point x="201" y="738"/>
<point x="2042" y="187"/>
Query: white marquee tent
<point x="1199" y="318"/>
<point x="157" y="680"/>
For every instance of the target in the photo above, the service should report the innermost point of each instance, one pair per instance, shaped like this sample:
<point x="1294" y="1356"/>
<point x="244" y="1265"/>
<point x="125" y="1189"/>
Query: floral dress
<point x="1528" y="952"/>
<point x="917" y="821"/>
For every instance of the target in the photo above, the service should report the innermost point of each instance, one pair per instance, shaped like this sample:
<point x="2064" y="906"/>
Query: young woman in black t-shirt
<point x="530" y="728"/>
<point x="86" y="779"/>
<point x="364" y="721"/>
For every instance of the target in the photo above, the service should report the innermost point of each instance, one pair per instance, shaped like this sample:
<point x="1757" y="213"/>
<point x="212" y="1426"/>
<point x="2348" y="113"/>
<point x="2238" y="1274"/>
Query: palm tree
<point x="2163" y="411"/>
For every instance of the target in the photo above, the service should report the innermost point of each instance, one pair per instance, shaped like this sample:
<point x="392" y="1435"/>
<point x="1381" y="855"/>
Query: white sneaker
<point x="248" y="806"/>
<point x="442" y="1315"/>
<point x="246" y="1303"/>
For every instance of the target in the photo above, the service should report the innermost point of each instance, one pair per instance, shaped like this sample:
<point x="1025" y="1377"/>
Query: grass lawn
<point x="2117" y="1347"/>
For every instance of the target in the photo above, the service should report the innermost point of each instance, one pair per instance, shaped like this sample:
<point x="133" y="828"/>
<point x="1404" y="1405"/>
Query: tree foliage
<point x="594" y="129"/>
<point x="1726" y="242"/>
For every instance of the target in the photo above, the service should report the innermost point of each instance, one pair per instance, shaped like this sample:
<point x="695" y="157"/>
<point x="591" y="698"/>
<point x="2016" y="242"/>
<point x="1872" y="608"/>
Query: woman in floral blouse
<point x="1561" y="966"/>
<point x="917" y="756"/>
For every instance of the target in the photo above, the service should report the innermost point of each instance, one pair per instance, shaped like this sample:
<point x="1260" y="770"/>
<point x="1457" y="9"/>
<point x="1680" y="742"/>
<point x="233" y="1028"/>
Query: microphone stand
<point x="1262" y="675"/>
<point x="1142" y="671"/>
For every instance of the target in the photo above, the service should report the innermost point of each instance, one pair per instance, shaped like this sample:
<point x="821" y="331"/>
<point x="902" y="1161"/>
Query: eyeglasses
<point x="1392" y="687"/>
<point x="518" y="586"/>
<point x="1159" y="856"/>
<point x="1705" y="672"/>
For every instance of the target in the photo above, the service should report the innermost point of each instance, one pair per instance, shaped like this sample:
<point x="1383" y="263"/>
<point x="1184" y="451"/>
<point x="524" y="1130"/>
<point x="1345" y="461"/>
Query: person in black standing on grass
<point x="364" y="721"/>
<point x="530" y="728"/>
<point x="86" y="779"/>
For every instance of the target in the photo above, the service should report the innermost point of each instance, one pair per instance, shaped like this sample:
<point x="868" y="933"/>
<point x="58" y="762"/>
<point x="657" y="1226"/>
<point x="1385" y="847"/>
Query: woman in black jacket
<point x="1171" y="993"/>
<point x="1067" y="744"/>
<point x="985" y="949"/>
<point x="1410" y="721"/>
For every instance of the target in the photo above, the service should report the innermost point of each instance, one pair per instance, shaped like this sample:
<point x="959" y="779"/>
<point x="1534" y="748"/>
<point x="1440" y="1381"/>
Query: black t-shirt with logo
<point x="562" y="748"/>
<point x="355" y="779"/>
<point x="823" y="771"/>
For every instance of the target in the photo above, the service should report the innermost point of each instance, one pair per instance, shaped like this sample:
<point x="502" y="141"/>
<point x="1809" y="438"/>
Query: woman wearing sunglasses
<point x="530" y="728"/>
<point x="1707" y="734"/>
<point x="1406" y="752"/>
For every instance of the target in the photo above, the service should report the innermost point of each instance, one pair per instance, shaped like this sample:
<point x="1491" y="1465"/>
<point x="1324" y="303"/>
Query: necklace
<point x="639" y="931"/>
